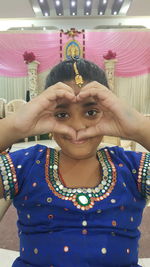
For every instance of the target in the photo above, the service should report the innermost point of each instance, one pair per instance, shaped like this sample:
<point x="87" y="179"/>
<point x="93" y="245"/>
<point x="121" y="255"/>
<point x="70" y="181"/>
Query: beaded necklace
<point x="82" y="198"/>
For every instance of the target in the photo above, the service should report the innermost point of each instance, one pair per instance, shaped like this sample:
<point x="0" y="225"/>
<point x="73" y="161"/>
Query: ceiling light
<point x="101" y="13"/>
<point x="87" y="13"/>
<point x="125" y="8"/>
<point x="73" y="13"/>
<point x="120" y="0"/>
<point x="41" y="1"/>
<point x="104" y="2"/>
<point x="57" y="3"/>
<point x="46" y="14"/>
<point x="36" y="9"/>
<point x="88" y="3"/>
<point x="115" y="13"/>
<point x="59" y="14"/>
<point x="44" y="28"/>
<point x="73" y="3"/>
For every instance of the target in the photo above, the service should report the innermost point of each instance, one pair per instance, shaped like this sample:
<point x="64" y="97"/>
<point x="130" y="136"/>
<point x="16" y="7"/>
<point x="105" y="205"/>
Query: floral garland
<point x="72" y="32"/>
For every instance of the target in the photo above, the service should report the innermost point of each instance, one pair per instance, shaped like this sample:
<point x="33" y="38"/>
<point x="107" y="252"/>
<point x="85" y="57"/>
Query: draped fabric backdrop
<point x="132" y="69"/>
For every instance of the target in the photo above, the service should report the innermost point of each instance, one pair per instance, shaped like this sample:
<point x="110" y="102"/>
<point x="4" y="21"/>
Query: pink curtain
<point x="13" y="45"/>
<point x="132" y="48"/>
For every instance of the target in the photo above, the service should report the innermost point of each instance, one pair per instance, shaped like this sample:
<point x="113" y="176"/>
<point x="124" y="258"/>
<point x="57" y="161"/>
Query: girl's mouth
<point x="78" y="142"/>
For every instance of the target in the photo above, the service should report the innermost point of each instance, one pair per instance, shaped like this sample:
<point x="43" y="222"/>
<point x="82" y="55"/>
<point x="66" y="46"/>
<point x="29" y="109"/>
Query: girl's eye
<point x="91" y="113"/>
<point x="61" y="115"/>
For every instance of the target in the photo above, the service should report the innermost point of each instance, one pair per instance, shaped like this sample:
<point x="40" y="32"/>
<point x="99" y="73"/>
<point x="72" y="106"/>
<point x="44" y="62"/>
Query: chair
<point x="2" y="107"/>
<point x="117" y="141"/>
<point x="112" y="140"/>
<point x="13" y="106"/>
<point x="128" y="144"/>
<point x="147" y="116"/>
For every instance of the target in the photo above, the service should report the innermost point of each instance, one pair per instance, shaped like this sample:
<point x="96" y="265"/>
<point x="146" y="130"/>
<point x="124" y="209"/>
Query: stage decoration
<point x="109" y="63"/>
<point x="60" y="45"/>
<point x="72" y="32"/>
<point x="73" y="47"/>
<point x="109" y="55"/>
<point x="29" y="59"/>
<point x="83" y="43"/>
<point x="131" y="46"/>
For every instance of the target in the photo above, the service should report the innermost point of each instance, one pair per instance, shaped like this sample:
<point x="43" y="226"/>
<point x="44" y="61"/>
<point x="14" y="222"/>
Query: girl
<point x="79" y="206"/>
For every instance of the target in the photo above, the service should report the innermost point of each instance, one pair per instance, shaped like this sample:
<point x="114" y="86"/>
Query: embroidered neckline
<point x="144" y="176"/>
<point x="9" y="178"/>
<point x="82" y="198"/>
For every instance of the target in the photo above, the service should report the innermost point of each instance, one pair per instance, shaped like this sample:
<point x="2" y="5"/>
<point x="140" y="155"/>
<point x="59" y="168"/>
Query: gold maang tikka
<point x="78" y="78"/>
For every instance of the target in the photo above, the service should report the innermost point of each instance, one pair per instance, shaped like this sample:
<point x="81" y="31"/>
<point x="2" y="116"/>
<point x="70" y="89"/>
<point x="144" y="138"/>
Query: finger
<point x="93" y="89"/>
<point x="94" y="85"/>
<point x="48" y="102"/>
<point x="66" y="130"/>
<point x="106" y="99"/>
<point x="65" y="94"/>
<point x="55" y="94"/>
<point x="59" y="86"/>
<point x="89" y="132"/>
<point x="48" y="124"/>
<point x="94" y="92"/>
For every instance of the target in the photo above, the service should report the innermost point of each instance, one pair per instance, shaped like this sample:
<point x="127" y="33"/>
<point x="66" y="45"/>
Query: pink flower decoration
<point x="109" y="55"/>
<point x="28" y="57"/>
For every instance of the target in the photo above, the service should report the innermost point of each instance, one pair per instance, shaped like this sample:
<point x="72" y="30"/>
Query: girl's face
<point x="79" y="116"/>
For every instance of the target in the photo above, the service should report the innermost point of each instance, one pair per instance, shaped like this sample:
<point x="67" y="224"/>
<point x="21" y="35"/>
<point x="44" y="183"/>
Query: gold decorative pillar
<point x="110" y="72"/>
<point x="32" y="78"/>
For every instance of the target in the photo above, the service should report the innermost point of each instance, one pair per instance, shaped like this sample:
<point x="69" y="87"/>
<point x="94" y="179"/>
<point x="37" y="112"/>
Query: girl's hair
<point x="64" y="71"/>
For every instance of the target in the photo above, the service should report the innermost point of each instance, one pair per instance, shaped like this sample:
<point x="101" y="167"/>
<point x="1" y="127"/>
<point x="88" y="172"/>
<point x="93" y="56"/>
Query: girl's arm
<point x="36" y="117"/>
<point x="143" y="136"/>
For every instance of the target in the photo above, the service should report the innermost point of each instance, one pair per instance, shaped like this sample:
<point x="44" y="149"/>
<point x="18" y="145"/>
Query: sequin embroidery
<point x="82" y="198"/>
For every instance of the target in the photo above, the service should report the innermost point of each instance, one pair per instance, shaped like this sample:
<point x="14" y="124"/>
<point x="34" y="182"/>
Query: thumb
<point x="89" y="132"/>
<point x="64" y="129"/>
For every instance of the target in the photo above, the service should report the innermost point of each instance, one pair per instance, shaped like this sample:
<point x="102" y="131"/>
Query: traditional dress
<point x="77" y="227"/>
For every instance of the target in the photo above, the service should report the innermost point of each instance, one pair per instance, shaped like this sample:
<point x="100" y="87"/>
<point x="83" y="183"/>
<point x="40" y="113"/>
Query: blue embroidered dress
<point x="77" y="227"/>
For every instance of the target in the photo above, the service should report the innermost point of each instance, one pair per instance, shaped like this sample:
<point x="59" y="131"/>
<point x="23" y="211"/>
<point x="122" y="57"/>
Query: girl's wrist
<point x="143" y="134"/>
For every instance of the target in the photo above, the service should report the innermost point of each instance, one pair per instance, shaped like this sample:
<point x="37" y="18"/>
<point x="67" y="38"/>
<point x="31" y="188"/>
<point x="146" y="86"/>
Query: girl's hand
<point x="118" y="119"/>
<point x="36" y="117"/>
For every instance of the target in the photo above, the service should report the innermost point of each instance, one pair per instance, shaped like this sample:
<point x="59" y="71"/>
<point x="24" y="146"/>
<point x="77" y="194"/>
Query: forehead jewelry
<point x="78" y="78"/>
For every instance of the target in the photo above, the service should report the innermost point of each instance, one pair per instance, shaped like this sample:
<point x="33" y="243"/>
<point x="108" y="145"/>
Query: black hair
<point x="64" y="71"/>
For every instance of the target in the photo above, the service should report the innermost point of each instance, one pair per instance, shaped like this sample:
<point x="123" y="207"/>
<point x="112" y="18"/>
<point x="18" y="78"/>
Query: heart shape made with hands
<point x="90" y="131"/>
<point x="112" y="120"/>
<point x="108" y="102"/>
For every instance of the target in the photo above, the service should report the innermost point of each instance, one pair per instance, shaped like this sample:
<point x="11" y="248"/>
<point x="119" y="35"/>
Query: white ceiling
<point x="24" y="8"/>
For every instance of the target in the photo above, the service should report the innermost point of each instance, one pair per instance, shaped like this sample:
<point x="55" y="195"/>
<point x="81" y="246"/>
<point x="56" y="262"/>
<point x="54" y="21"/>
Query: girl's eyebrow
<point x="66" y="105"/>
<point x="88" y="104"/>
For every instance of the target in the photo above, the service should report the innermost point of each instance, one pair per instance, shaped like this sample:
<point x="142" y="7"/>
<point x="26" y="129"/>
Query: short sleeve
<point x="139" y="164"/>
<point x="14" y="167"/>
